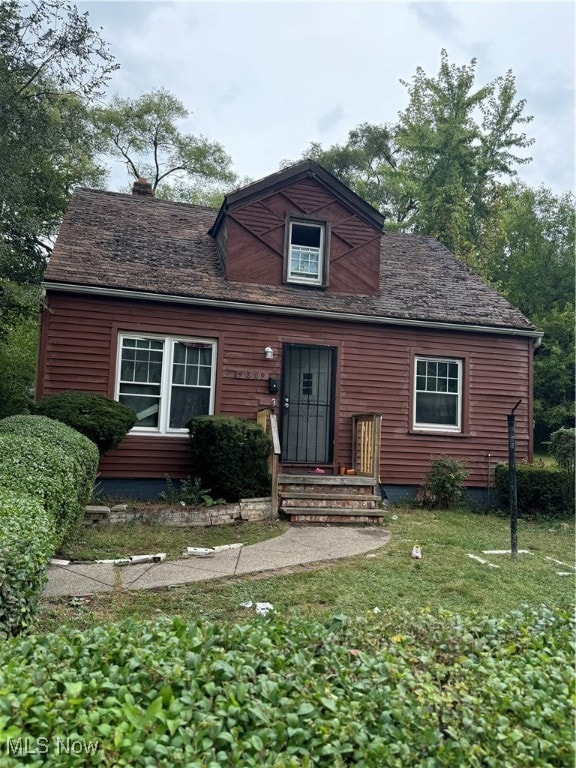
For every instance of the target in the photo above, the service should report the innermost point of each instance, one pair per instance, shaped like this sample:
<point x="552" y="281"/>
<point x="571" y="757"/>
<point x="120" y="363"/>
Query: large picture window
<point x="166" y="380"/>
<point x="438" y="394"/>
<point x="306" y="253"/>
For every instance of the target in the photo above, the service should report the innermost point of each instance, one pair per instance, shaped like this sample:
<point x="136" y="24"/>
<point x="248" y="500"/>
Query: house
<point x="289" y="298"/>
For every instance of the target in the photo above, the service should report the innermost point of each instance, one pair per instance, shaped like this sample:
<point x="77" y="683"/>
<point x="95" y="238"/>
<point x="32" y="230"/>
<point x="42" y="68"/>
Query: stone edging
<point x="255" y="510"/>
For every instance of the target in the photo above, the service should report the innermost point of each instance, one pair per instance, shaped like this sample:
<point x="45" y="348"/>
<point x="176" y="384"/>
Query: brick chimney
<point x="142" y="188"/>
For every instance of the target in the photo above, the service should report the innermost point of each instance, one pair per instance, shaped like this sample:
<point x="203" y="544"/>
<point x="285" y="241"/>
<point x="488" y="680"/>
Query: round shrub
<point x="26" y="545"/>
<point x="442" y="488"/>
<point x="230" y="456"/>
<point x="45" y="472"/>
<point x="53" y="432"/>
<point x="104" y="421"/>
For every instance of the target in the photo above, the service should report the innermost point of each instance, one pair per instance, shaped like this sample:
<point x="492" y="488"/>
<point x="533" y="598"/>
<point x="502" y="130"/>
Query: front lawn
<point x="103" y="542"/>
<point x="446" y="578"/>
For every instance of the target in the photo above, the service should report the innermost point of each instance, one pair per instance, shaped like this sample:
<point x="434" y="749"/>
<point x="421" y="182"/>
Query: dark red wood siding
<point x="254" y="241"/>
<point x="78" y="351"/>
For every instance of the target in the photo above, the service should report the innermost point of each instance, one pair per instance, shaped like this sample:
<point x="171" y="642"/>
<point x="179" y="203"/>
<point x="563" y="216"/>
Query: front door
<point x="308" y="378"/>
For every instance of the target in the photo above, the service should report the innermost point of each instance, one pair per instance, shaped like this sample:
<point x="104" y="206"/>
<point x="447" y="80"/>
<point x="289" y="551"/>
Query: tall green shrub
<point x="52" y="432"/>
<point x="104" y="421"/>
<point x="26" y="544"/>
<point x="45" y="472"/>
<point x="540" y="490"/>
<point x="230" y="456"/>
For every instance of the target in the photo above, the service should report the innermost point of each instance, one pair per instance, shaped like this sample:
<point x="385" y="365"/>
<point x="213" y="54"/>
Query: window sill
<point x="150" y="433"/>
<point x="437" y="433"/>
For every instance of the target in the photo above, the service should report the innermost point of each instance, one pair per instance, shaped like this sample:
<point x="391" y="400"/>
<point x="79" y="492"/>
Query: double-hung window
<point x="306" y="252"/>
<point x="438" y="394"/>
<point x="166" y="380"/>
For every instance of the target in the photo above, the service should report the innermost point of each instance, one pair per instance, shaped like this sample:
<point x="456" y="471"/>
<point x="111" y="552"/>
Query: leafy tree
<point x="435" y="171"/>
<point x="527" y="247"/>
<point x="554" y="371"/>
<point x="51" y="62"/>
<point x="526" y="250"/>
<point x="144" y="134"/>
<point x="19" y="312"/>
<point x="370" y="163"/>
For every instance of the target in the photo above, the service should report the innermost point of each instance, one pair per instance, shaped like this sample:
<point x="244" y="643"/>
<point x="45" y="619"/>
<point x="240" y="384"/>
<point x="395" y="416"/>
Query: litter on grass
<point x="564" y="573"/>
<point x="505" y="552"/>
<point x="209" y="551"/>
<point x="157" y="558"/>
<point x="262" y="608"/>
<point x="199" y="551"/>
<point x="559" y="562"/>
<point x="484" y="562"/>
<point x="416" y="552"/>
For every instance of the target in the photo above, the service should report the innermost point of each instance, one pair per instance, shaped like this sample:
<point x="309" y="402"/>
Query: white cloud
<point x="267" y="79"/>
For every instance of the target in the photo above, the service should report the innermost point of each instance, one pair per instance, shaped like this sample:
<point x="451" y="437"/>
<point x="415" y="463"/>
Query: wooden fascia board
<point x="270" y="309"/>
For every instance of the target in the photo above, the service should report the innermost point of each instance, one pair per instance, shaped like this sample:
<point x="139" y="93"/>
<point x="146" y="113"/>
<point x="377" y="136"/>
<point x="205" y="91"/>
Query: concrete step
<point x="329" y="496"/>
<point x="335" y="511"/>
<point x="336" y="519"/>
<point x="321" y="502"/>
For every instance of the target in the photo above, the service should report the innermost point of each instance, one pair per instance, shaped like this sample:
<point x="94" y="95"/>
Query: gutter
<point x="120" y="293"/>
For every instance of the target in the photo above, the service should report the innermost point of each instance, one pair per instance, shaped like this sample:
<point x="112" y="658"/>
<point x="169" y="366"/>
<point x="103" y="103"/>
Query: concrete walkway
<point x="298" y="546"/>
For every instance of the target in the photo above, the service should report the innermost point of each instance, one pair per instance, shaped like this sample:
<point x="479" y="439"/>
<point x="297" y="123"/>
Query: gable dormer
<point x="300" y="227"/>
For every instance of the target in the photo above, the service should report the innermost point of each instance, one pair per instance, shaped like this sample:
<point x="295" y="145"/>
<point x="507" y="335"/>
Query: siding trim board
<point x="286" y="310"/>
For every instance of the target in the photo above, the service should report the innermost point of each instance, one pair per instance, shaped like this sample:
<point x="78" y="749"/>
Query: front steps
<point x="323" y="499"/>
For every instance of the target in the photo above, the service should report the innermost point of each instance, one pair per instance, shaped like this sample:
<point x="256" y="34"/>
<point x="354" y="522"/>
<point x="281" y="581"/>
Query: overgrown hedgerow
<point x="52" y="432"/>
<point x="392" y="690"/>
<point x="540" y="490"/>
<point x="47" y="473"/>
<point x="26" y="544"/>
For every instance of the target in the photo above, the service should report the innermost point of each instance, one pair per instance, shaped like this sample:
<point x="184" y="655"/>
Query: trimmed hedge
<point x="393" y="690"/>
<point x="55" y="433"/>
<point x="540" y="490"/>
<point x="104" y="421"/>
<point x="26" y="545"/>
<point x="230" y="456"/>
<point x="47" y="473"/>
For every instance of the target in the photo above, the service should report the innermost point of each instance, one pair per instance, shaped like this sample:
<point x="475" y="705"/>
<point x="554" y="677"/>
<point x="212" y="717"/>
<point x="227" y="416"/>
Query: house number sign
<point x="258" y="375"/>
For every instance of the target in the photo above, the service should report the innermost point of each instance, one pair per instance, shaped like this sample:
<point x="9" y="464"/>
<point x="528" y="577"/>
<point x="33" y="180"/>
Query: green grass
<point x="388" y="578"/>
<point x="102" y="542"/>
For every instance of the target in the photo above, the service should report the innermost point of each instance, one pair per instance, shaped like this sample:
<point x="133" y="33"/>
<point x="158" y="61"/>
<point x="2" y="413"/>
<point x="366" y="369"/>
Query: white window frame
<point x="423" y="426"/>
<point x="163" y="427"/>
<point x="295" y="277"/>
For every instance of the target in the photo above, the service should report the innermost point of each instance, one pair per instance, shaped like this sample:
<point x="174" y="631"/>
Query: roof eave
<point x="121" y="293"/>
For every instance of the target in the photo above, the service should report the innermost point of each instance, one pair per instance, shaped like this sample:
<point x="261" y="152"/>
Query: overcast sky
<point x="266" y="79"/>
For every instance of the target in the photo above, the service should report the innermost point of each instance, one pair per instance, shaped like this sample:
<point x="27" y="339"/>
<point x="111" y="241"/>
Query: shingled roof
<point x="116" y="241"/>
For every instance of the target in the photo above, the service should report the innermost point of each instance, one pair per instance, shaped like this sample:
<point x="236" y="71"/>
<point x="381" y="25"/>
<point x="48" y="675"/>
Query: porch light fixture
<point x="268" y="353"/>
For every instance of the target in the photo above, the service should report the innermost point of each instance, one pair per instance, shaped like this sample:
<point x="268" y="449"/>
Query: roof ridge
<point x="130" y="196"/>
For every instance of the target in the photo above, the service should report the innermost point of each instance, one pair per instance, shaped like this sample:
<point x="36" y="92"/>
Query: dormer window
<point x="306" y="252"/>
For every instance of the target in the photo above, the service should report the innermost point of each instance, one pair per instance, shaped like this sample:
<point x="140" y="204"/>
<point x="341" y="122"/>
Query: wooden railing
<point x="267" y="419"/>
<point x="366" y="444"/>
